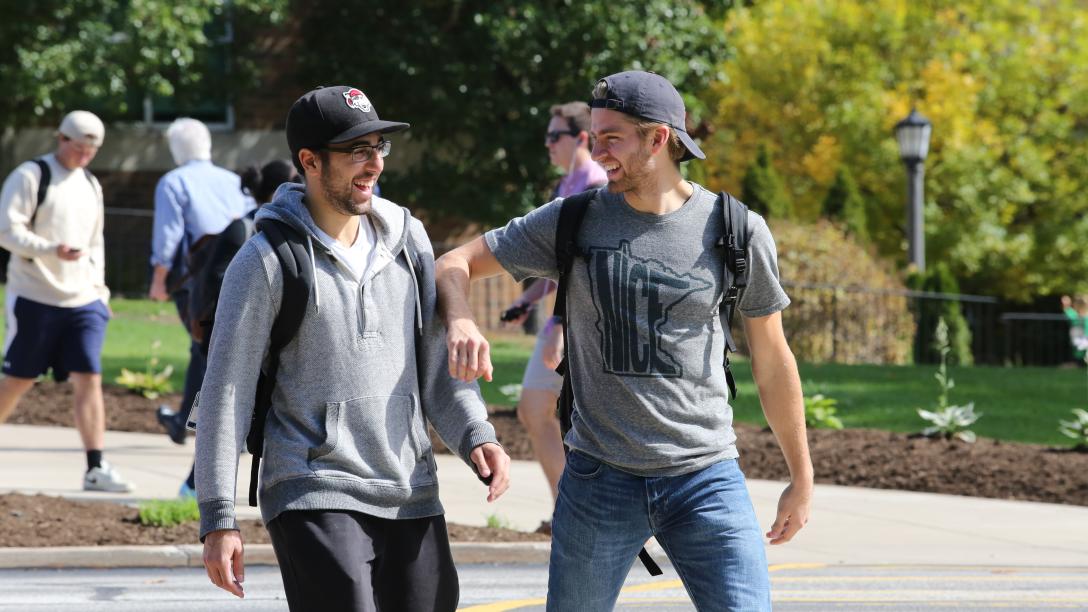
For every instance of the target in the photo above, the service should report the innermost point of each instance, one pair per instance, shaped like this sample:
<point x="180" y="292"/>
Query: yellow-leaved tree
<point x="822" y="84"/>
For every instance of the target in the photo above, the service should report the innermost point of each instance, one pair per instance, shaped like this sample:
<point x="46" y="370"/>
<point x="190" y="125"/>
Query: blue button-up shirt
<point x="193" y="200"/>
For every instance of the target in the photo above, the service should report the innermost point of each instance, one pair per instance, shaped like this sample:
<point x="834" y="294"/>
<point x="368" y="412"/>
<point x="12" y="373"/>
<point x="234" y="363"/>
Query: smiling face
<point x="624" y="154"/>
<point x="346" y="185"/>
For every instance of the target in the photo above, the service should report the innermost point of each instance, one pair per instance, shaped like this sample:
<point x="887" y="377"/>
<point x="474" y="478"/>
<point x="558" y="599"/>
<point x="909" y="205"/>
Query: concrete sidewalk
<point x="849" y="525"/>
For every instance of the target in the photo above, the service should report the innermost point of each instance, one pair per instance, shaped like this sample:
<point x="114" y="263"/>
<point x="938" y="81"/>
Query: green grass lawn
<point x="136" y="324"/>
<point x="1018" y="404"/>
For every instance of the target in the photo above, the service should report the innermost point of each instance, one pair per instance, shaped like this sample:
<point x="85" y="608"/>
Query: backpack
<point x="207" y="283"/>
<point x="734" y="240"/>
<point x="298" y="284"/>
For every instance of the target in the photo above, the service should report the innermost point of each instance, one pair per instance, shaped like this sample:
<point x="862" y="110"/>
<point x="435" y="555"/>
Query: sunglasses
<point x="553" y="137"/>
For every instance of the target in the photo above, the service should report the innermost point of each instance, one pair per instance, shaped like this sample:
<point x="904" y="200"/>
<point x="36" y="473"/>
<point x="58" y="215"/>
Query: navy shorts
<point x="40" y="337"/>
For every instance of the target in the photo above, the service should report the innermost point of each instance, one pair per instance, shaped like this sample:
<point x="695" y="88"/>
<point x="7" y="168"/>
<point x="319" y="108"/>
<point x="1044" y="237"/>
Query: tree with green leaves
<point x="108" y="55"/>
<point x="475" y="78"/>
<point x="845" y="205"/>
<point x="824" y="83"/>
<point x="762" y="188"/>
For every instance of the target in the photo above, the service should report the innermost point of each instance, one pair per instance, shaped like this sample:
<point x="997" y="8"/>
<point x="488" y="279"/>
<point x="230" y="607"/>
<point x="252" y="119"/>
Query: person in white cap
<point x="51" y="215"/>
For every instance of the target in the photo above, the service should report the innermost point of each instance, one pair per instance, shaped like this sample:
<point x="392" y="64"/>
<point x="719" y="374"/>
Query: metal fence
<point x="863" y="325"/>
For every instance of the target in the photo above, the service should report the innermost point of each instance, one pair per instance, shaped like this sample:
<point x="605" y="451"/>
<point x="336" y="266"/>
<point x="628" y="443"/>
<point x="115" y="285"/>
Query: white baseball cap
<point x="83" y="126"/>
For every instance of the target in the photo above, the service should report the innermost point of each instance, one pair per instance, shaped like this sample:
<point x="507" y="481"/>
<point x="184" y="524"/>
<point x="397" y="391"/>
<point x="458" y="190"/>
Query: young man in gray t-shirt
<point x="652" y="445"/>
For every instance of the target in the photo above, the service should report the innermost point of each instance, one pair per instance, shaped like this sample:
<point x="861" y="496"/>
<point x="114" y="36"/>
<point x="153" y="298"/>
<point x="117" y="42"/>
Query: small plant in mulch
<point x="152" y="382"/>
<point x="820" y="412"/>
<point x="948" y="421"/>
<point x="169" y="512"/>
<point x="1077" y="429"/>
<point x="497" y="521"/>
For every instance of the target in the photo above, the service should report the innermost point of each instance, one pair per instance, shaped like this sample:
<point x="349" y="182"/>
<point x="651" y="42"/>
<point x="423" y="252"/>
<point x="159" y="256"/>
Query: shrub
<point x="871" y="325"/>
<point x="169" y="512"/>
<point x="762" y="188"/>
<point x="845" y="205"/>
<point x="149" y="383"/>
<point x="948" y="421"/>
<point x="820" y="412"/>
<point x="939" y="279"/>
<point x="1076" y="429"/>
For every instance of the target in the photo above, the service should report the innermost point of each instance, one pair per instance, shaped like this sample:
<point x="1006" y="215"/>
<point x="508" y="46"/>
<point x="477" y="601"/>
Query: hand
<point x="793" y="512"/>
<point x="223" y="560"/>
<point x="553" y="346"/>
<point x="68" y="253"/>
<point x="491" y="460"/>
<point x="469" y="352"/>
<point x="157" y="291"/>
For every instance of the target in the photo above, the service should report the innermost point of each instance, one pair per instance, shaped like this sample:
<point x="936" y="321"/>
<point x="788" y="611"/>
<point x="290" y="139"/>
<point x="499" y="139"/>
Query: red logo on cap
<point x="356" y="99"/>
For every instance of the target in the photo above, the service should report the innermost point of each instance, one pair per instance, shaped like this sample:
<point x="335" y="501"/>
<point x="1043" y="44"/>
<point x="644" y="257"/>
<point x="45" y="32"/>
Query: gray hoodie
<point x="348" y="424"/>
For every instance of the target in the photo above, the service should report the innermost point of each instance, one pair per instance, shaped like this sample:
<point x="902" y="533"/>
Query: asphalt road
<point x="499" y="588"/>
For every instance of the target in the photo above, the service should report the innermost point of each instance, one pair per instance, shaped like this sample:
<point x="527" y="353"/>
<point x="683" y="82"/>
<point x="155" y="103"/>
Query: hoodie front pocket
<point x="375" y="438"/>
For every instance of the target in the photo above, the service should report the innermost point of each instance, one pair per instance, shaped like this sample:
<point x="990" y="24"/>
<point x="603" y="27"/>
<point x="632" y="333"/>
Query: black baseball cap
<point x="648" y="96"/>
<point x="331" y="115"/>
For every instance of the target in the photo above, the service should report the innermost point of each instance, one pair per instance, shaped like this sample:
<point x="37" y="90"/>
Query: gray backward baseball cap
<point x="648" y="96"/>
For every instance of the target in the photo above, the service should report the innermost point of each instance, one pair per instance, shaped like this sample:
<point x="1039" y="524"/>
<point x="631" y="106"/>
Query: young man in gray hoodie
<point x="652" y="447"/>
<point x="348" y="485"/>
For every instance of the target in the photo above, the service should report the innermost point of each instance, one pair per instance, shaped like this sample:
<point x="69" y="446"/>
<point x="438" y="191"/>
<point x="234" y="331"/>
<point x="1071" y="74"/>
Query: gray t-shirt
<point x="646" y="342"/>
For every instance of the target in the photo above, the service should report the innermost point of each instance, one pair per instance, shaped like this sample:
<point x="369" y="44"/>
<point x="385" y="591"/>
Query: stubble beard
<point x="341" y="198"/>
<point x="636" y="174"/>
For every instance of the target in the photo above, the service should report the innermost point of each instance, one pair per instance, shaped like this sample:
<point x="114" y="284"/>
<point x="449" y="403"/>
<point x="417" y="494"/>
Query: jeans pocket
<point x="375" y="438"/>
<point x="580" y="465"/>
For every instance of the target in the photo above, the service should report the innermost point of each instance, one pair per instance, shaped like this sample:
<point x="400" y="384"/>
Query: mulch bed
<point x="855" y="457"/>
<point x="42" y="520"/>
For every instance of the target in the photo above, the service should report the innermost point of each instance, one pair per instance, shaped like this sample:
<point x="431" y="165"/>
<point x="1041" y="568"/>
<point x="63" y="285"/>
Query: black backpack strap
<point x="298" y="282"/>
<point x="43" y="187"/>
<point x="571" y="214"/>
<point x="735" y="275"/>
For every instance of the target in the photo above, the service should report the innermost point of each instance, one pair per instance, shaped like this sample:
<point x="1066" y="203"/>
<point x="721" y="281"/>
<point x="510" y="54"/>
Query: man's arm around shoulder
<point x="775" y="372"/>
<point x="469" y="351"/>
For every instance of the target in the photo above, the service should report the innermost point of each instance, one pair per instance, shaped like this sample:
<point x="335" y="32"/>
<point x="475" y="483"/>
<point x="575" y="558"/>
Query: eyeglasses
<point x="553" y="137"/>
<point x="364" y="153"/>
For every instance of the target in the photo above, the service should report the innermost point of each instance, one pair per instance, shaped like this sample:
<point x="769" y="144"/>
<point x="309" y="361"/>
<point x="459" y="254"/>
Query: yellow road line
<point x="504" y="606"/>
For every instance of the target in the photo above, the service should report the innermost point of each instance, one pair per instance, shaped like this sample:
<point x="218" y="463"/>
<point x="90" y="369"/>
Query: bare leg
<point x="12" y="390"/>
<point x="536" y="411"/>
<point x="90" y="411"/>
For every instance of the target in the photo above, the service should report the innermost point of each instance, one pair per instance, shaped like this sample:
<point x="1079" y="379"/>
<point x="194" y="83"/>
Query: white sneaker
<point x="105" y="478"/>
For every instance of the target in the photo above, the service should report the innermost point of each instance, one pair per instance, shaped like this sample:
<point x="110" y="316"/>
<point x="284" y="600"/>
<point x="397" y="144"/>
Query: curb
<point x="191" y="555"/>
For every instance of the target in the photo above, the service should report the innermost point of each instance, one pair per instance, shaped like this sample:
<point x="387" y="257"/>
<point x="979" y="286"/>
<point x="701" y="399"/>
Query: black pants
<point x="348" y="561"/>
<point x="194" y="373"/>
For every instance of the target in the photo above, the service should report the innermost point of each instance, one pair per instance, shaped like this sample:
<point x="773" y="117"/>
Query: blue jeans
<point x="704" y="521"/>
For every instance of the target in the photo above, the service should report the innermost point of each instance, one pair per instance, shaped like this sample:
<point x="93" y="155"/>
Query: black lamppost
<point x="913" y="135"/>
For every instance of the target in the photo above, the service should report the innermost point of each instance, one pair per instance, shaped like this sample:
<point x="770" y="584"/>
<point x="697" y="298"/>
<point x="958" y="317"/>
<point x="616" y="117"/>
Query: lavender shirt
<point x="581" y="178"/>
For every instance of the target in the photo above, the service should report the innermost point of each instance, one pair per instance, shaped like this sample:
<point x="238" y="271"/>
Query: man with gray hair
<point x="51" y="213"/>
<point x="193" y="203"/>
